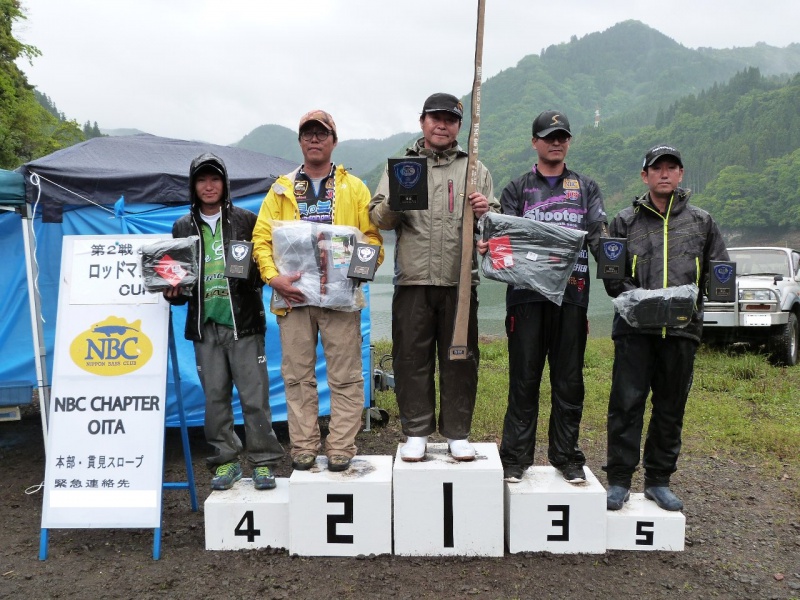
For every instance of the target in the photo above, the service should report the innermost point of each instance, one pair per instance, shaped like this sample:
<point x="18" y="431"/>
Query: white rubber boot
<point x="461" y="450"/>
<point x="414" y="449"/>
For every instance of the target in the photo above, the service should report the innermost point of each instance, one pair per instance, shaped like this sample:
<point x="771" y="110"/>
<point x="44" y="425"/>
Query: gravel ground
<point x="742" y="541"/>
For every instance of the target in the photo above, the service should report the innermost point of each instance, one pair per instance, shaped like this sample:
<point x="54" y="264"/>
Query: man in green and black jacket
<point x="226" y="322"/>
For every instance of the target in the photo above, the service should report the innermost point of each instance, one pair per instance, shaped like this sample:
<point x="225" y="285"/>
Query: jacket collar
<point x="679" y="201"/>
<point x="449" y="155"/>
<point x="285" y="183"/>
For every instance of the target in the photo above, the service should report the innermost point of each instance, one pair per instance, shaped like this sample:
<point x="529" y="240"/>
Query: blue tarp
<point x="16" y="338"/>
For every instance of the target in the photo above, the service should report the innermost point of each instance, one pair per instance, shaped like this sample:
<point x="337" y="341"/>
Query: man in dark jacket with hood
<point x="670" y="243"/>
<point x="226" y="322"/>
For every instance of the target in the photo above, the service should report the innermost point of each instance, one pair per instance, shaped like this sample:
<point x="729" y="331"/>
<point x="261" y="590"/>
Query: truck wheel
<point x="785" y="343"/>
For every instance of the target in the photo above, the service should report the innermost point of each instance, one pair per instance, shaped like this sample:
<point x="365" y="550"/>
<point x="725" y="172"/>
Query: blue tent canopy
<point x="81" y="185"/>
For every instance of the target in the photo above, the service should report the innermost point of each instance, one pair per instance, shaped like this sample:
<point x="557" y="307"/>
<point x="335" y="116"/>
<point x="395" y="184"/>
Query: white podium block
<point x="641" y="525"/>
<point x="545" y="513"/>
<point x="342" y="514"/>
<point x="243" y="517"/>
<point x="446" y="507"/>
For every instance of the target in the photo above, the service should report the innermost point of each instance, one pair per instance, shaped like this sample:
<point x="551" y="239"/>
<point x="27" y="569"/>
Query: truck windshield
<point x="760" y="262"/>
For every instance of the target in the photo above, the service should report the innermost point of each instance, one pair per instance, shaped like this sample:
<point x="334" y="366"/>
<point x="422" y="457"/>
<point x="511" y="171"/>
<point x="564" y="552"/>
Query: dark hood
<point x="208" y="159"/>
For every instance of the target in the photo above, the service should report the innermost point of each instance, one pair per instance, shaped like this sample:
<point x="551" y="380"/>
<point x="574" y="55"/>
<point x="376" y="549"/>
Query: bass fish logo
<point x="239" y="251"/>
<point x="365" y="253"/>
<point x="111" y="347"/>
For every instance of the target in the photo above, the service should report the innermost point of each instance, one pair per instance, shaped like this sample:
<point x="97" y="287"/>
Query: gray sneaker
<point x="226" y="475"/>
<point x="263" y="479"/>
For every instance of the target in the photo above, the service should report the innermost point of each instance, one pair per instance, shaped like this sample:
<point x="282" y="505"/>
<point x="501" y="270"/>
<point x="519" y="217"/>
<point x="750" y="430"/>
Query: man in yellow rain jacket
<point x="318" y="192"/>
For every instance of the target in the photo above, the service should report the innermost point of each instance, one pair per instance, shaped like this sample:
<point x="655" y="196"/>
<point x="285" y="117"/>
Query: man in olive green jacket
<point x="427" y="264"/>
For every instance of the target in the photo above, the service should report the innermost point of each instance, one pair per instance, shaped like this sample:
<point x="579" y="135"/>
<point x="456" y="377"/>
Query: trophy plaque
<point x="722" y="281"/>
<point x="408" y="183"/>
<point x="239" y="260"/>
<point x="611" y="258"/>
<point x="364" y="262"/>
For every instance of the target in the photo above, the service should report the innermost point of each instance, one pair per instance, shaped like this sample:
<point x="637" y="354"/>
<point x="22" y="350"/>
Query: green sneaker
<point x="226" y="475"/>
<point x="263" y="479"/>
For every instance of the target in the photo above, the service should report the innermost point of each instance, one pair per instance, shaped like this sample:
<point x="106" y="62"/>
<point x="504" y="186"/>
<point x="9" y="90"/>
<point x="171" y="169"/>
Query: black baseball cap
<point x="657" y="152"/>
<point x="209" y="167"/>
<point x="548" y="122"/>
<point x="443" y="102"/>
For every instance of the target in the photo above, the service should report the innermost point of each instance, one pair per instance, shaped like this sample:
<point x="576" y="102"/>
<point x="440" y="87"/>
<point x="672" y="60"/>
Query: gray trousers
<point x="222" y="362"/>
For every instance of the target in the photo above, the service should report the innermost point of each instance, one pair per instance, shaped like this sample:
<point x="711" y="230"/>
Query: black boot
<point x="616" y="496"/>
<point x="663" y="496"/>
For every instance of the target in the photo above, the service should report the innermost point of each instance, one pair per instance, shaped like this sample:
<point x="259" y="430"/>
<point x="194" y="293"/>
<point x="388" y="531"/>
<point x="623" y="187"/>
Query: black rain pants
<point x="643" y="363"/>
<point x="538" y="331"/>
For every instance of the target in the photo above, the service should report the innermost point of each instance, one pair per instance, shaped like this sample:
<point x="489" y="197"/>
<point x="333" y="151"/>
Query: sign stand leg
<point x="368" y="416"/>
<point x="43" y="537"/>
<point x="157" y="543"/>
<point x="187" y="453"/>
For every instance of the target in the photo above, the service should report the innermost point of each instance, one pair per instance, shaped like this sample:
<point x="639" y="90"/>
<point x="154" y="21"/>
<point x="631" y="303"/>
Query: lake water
<point x="491" y="298"/>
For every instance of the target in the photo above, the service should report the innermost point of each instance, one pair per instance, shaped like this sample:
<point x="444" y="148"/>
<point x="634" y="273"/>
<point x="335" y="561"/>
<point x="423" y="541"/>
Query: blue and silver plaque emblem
<point x="723" y="273"/>
<point x="407" y="173"/>
<point x="612" y="250"/>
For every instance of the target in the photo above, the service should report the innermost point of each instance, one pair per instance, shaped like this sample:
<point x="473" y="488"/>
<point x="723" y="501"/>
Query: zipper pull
<point x="450" y="199"/>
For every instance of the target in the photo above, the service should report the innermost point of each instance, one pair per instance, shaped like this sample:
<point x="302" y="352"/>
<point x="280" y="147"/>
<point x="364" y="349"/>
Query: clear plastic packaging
<point x="530" y="254"/>
<point x="321" y="254"/>
<point x="666" y="307"/>
<point x="170" y="264"/>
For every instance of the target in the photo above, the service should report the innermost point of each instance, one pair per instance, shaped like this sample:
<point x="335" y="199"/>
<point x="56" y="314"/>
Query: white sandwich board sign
<point x="105" y="444"/>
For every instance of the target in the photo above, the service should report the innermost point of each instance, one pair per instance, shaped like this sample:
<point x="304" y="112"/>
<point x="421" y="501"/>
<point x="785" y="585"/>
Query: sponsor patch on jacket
<point x="572" y="194"/>
<point x="578" y="282"/>
<point x="571" y="184"/>
<point x="329" y="183"/>
<point x="300" y="187"/>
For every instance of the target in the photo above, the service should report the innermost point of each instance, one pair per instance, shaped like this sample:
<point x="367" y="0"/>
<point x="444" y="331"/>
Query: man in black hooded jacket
<point x="669" y="243"/>
<point x="226" y="321"/>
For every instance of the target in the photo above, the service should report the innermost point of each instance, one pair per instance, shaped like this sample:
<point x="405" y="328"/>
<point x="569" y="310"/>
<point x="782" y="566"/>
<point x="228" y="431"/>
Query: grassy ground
<point x="739" y="403"/>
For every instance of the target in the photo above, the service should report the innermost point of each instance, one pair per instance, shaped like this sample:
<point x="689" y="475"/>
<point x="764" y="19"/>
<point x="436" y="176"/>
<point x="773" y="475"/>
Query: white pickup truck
<point x="768" y="308"/>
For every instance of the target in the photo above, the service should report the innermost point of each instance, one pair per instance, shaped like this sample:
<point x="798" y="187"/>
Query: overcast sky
<point x="214" y="70"/>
